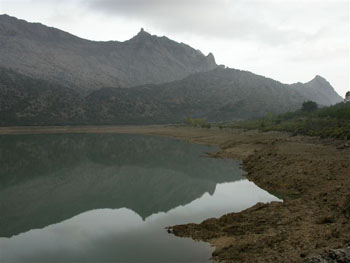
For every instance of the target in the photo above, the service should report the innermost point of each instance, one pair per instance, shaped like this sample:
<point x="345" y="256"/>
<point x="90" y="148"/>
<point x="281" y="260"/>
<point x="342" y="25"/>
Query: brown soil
<point x="312" y="176"/>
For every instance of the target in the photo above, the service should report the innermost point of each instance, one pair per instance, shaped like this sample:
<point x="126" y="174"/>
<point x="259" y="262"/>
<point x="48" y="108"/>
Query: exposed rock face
<point x="51" y="54"/>
<point x="333" y="256"/>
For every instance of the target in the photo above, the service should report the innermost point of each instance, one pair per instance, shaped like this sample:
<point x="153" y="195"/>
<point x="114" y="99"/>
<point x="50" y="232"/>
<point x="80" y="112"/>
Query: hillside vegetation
<point x="333" y="121"/>
<point x="217" y="95"/>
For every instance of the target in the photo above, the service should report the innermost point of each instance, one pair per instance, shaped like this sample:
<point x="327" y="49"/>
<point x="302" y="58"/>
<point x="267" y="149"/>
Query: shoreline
<point x="312" y="177"/>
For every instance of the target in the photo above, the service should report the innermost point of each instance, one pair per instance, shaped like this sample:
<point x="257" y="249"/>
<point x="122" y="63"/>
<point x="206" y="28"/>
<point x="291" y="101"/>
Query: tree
<point x="309" y="106"/>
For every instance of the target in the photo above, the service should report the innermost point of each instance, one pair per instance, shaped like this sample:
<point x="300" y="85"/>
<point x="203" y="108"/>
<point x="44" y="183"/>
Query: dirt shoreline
<point x="313" y="178"/>
<point x="311" y="175"/>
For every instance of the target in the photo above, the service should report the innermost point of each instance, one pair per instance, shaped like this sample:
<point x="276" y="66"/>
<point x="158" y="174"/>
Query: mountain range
<point x="51" y="54"/>
<point x="49" y="77"/>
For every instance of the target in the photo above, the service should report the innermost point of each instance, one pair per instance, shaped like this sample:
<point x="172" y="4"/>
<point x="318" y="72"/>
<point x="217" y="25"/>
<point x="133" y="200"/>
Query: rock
<point x="340" y="255"/>
<point x="333" y="256"/>
<point x="343" y="146"/>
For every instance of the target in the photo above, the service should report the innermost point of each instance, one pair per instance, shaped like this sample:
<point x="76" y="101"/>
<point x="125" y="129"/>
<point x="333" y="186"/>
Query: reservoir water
<point x="109" y="197"/>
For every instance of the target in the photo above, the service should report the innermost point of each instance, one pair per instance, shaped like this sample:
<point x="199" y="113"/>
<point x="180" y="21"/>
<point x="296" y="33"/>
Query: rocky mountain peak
<point x="321" y="90"/>
<point x="142" y="35"/>
<point x="319" y="82"/>
<point x="319" y="78"/>
<point x="211" y="60"/>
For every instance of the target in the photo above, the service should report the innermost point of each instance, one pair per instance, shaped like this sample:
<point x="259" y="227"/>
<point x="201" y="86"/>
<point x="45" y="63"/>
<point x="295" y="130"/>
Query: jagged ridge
<point x="51" y="54"/>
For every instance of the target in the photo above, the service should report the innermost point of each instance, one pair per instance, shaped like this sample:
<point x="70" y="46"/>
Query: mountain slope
<point x="51" y="54"/>
<point x="220" y="94"/>
<point x="48" y="76"/>
<point x="319" y="90"/>
<point x="27" y="100"/>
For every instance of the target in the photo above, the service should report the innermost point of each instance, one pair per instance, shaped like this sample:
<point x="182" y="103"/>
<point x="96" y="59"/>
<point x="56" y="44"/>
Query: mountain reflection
<point x="45" y="179"/>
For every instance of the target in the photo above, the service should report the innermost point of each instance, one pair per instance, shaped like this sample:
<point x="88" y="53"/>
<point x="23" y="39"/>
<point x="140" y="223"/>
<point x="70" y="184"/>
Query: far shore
<point x="77" y="129"/>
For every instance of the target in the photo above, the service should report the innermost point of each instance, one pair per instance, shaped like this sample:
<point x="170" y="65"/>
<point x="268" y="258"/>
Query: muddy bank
<point x="312" y="176"/>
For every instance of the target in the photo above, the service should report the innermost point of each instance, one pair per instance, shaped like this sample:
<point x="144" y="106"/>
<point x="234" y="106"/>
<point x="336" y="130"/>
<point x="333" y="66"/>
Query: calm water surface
<point x="95" y="198"/>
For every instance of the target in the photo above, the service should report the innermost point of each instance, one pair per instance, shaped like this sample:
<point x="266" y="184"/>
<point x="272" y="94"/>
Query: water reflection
<point x="121" y="235"/>
<point x="109" y="197"/>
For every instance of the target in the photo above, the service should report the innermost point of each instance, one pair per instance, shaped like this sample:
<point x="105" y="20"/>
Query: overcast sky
<point x="288" y="40"/>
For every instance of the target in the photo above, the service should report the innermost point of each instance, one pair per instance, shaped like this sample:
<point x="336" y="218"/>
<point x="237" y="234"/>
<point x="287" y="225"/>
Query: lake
<point x="109" y="197"/>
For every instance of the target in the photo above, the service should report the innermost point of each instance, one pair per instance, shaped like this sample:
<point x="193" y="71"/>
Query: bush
<point x="197" y="122"/>
<point x="309" y="106"/>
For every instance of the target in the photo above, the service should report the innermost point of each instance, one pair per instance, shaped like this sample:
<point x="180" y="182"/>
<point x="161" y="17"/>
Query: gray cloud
<point x="304" y="37"/>
<point x="216" y="19"/>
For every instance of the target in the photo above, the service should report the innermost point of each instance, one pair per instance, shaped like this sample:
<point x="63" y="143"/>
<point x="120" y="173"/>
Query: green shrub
<point x="309" y="106"/>
<point x="333" y="121"/>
